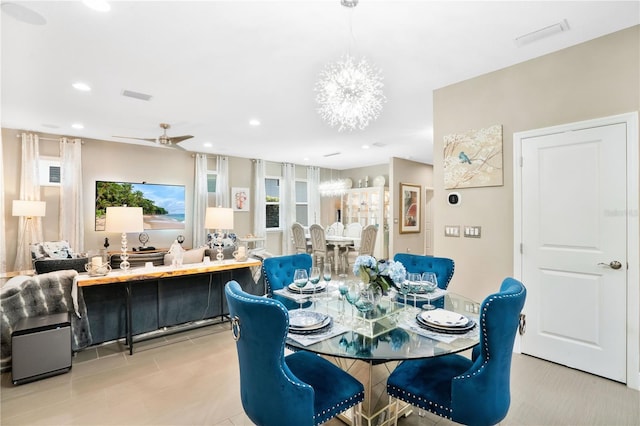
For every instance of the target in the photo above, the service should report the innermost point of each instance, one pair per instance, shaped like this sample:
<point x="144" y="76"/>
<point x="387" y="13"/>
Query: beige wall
<point x="595" y="79"/>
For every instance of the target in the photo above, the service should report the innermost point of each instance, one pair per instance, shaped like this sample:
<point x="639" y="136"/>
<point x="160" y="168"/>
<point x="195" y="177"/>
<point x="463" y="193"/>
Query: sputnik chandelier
<point x="349" y="92"/>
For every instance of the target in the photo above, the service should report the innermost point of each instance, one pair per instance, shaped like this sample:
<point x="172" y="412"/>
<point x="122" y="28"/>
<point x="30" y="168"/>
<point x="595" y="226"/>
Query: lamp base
<point x="124" y="257"/>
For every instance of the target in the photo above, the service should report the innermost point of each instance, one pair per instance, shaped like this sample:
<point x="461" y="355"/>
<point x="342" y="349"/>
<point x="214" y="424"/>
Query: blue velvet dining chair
<point x="415" y="263"/>
<point x="278" y="273"/>
<point x="470" y="391"/>
<point x="299" y="389"/>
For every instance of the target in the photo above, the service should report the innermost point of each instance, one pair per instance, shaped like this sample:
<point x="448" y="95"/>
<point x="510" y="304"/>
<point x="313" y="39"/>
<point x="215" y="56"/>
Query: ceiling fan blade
<point x="140" y="139"/>
<point x="178" y="139"/>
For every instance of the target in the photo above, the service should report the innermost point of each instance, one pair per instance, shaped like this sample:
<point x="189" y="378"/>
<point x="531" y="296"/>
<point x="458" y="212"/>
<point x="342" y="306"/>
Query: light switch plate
<point x="452" y="231"/>
<point x="472" y="231"/>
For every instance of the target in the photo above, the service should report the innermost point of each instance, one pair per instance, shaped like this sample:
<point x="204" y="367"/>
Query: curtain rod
<point x="53" y="139"/>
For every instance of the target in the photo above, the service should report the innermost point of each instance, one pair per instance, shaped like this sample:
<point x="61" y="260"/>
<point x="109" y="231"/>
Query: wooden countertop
<point x="139" y="274"/>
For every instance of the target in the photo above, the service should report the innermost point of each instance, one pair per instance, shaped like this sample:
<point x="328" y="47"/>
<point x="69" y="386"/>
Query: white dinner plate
<point x="444" y="318"/>
<point x="303" y="319"/>
<point x="308" y="289"/>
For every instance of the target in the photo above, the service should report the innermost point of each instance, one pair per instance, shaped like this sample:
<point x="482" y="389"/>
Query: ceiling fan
<point x="163" y="139"/>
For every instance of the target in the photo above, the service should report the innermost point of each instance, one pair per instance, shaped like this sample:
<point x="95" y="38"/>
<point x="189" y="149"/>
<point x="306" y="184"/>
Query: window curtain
<point x="259" y="200"/>
<point x="200" y="197"/>
<point x="288" y="206"/>
<point x="313" y="192"/>
<point x="222" y="182"/>
<point x="29" y="230"/>
<point x="71" y="223"/>
<point x="3" y="232"/>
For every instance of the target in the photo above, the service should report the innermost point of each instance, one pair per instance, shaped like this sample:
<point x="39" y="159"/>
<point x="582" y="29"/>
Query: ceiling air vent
<point x="542" y="33"/>
<point x="332" y="154"/>
<point x="136" y="95"/>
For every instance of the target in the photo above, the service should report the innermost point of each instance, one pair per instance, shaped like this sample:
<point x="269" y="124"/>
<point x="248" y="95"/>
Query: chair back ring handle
<point x="235" y="328"/>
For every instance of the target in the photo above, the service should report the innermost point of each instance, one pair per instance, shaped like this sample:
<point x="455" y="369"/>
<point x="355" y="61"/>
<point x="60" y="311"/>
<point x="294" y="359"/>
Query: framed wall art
<point x="473" y="159"/>
<point x="410" y="208"/>
<point x="240" y="199"/>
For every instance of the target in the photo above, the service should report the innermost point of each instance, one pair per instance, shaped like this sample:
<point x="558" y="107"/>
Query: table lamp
<point x="219" y="218"/>
<point x="124" y="219"/>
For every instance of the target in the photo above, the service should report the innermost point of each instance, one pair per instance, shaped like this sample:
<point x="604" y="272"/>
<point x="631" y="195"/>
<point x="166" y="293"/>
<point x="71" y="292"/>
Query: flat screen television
<point x="162" y="205"/>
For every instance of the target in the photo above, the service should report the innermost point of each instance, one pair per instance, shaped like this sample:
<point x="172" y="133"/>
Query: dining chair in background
<point x="298" y="389"/>
<point x="443" y="267"/>
<point x="320" y="250"/>
<point x="299" y="239"/>
<point x="353" y="230"/>
<point x="368" y="240"/>
<point x="469" y="391"/>
<point x="278" y="273"/>
<point x="336" y="228"/>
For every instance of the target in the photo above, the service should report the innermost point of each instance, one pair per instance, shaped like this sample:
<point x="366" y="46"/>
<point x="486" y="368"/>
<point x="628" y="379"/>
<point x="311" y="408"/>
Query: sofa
<point x="32" y="296"/>
<point x="49" y="256"/>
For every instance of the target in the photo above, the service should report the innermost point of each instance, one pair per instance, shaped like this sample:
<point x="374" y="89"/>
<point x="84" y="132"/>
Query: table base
<point x="377" y="408"/>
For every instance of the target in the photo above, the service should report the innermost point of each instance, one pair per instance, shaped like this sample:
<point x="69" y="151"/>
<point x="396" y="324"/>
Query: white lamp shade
<point x="124" y="219"/>
<point x="28" y="208"/>
<point x="219" y="218"/>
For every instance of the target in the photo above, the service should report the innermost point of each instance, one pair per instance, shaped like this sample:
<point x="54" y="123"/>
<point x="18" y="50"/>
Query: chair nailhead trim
<point x="339" y="408"/>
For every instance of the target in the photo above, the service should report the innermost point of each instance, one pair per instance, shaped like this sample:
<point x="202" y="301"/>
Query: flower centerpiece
<point x="378" y="274"/>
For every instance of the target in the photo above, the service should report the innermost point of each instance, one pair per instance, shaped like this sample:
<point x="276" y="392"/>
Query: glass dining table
<point x="369" y="347"/>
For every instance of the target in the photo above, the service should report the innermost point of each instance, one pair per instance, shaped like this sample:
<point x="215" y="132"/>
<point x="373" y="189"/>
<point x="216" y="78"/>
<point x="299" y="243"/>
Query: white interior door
<point x="573" y="231"/>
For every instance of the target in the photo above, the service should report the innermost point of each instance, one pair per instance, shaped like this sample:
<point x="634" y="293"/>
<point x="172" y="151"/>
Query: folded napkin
<point x="309" y="339"/>
<point x="412" y="325"/>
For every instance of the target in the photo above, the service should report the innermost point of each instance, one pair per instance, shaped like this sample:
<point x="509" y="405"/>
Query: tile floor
<point x="191" y="378"/>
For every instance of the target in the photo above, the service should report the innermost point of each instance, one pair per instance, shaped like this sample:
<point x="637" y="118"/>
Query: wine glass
<point x="415" y="285"/>
<point x="365" y="302"/>
<point x="300" y="279"/>
<point x="353" y="295"/>
<point x="343" y="287"/>
<point x="430" y="283"/>
<point x="314" y="278"/>
<point x="405" y="289"/>
<point x="326" y="273"/>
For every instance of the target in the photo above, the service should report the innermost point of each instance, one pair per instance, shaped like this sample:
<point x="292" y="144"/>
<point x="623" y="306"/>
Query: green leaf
<point x="364" y="275"/>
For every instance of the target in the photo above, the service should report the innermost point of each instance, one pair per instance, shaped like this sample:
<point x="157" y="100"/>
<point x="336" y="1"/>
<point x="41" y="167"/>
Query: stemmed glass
<point x="300" y="279"/>
<point x="343" y="287"/>
<point x="415" y="285"/>
<point x="326" y="276"/>
<point x="430" y="283"/>
<point x="314" y="278"/>
<point x="353" y="295"/>
<point x="405" y="289"/>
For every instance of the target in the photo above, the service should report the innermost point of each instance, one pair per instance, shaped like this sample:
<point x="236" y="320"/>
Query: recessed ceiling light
<point x="207" y="144"/>
<point x="77" y="126"/>
<point x="305" y="159"/>
<point x="365" y="146"/>
<point x="83" y="87"/>
<point x="97" y="5"/>
<point x="253" y="122"/>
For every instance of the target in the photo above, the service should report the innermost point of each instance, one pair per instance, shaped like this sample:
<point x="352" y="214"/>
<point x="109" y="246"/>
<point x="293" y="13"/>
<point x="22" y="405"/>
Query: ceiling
<point x="211" y="66"/>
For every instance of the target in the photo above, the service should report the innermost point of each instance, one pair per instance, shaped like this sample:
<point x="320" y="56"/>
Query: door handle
<point x="614" y="264"/>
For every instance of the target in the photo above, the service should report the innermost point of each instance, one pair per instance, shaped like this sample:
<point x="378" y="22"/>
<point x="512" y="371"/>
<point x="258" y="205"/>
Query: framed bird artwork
<point x="473" y="159"/>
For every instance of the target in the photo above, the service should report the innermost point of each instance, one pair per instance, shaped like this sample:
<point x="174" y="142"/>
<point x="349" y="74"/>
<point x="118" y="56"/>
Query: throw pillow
<point x="189" y="256"/>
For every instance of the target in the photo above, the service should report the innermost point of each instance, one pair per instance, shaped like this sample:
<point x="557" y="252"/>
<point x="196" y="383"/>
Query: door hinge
<point x="521" y="249"/>
<point x="521" y="161"/>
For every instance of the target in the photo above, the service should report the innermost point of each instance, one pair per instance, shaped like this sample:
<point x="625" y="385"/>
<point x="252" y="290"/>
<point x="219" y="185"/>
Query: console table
<point x="170" y="284"/>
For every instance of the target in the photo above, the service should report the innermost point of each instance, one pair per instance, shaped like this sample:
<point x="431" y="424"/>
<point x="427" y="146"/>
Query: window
<point x="302" y="203"/>
<point x="212" y="178"/>
<point x="272" y="190"/>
